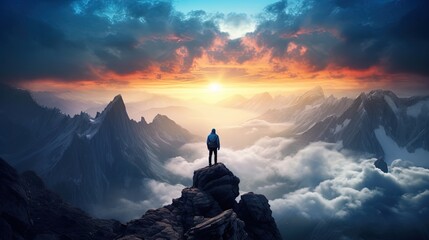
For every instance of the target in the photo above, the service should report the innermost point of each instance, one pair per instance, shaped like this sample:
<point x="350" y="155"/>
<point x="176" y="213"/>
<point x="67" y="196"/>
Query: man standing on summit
<point x="213" y="145"/>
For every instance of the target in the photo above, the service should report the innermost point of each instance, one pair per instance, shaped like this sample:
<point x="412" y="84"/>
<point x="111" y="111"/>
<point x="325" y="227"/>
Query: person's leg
<point x="210" y="157"/>
<point x="215" y="156"/>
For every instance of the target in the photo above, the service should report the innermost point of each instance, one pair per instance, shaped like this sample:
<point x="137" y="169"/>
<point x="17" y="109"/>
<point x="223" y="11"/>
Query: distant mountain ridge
<point x="85" y="159"/>
<point x="257" y="103"/>
<point x="375" y="121"/>
<point x="306" y="110"/>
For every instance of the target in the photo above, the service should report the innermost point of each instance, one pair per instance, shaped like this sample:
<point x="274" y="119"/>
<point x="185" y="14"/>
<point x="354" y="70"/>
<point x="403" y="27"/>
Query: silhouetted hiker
<point x="213" y="145"/>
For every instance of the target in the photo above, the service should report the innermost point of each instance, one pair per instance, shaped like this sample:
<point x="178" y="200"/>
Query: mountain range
<point x="379" y="123"/>
<point x="92" y="160"/>
<point x="258" y="103"/>
<point x="307" y="109"/>
<point x="86" y="160"/>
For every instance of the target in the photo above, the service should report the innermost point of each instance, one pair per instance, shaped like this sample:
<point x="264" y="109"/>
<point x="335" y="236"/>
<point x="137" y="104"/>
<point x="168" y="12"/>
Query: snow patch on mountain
<point x="418" y="108"/>
<point x="391" y="103"/>
<point x="341" y="126"/>
<point x="393" y="151"/>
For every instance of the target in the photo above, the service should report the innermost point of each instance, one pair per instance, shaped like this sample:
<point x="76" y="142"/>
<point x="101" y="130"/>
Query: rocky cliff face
<point x="208" y="210"/>
<point x="29" y="211"/>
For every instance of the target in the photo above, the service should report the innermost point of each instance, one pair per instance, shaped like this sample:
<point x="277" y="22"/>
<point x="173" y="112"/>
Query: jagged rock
<point x="161" y="223"/>
<point x="29" y="211"/>
<point x="255" y="211"/>
<point x="14" y="216"/>
<point x="194" y="204"/>
<point x="206" y="211"/>
<point x="223" y="226"/>
<point x="219" y="182"/>
<point x="173" y="220"/>
<point x="130" y="237"/>
<point x="52" y="216"/>
<point x="381" y="164"/>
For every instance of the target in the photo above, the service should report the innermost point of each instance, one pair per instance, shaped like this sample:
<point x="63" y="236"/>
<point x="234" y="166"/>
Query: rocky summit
<point x="208" y="210"/>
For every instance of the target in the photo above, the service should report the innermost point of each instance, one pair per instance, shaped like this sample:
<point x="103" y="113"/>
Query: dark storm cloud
<point x="233" y="51"/>
<point x="70" y="40"/>
<point x="73" y="40"/>
<point x="354" y="34"/>
<point x="33" y="48"/>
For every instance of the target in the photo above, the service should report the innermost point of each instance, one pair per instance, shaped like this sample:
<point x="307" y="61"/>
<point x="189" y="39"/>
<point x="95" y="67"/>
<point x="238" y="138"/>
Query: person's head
<point x="213" y="130"/>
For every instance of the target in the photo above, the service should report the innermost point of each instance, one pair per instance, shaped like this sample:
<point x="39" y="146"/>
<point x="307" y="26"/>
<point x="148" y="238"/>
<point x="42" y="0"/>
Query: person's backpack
<point x="211" y="141"/>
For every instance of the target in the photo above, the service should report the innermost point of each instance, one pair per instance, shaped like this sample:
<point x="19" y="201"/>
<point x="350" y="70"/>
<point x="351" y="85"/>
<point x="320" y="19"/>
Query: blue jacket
<point x="213" y="140"/>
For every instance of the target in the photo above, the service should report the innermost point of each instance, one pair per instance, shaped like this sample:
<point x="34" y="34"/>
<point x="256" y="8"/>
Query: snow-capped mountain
<point x="86" y="159"/>
<point x="263" y="102"/>
<point x="307" y="109"/>
<point x="382" y="124"/>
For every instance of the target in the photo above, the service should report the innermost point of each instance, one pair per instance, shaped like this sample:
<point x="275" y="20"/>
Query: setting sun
<point x="215" y="87"/>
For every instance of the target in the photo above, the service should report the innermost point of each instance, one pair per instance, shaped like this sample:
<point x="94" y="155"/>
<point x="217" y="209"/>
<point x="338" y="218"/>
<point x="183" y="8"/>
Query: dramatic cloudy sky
<point x="182" y="46"/>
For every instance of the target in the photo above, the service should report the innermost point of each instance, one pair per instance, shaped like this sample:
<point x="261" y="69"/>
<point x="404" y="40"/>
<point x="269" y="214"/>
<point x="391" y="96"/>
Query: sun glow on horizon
<point x="215" y="87"/>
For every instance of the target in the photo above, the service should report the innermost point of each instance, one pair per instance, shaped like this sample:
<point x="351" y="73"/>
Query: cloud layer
<point x="125" y="208"/>
<point x="321" y="191"/>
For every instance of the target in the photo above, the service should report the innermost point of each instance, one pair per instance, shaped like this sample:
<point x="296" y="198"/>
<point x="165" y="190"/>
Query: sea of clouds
<point x="319" y="191"/>
<point x="322" y="191"/>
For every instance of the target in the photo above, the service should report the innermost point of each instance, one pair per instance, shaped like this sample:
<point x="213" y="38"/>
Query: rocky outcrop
<point x="29" y="211"/>
<point x="219" y="182"/>
<point x="224" y="226"/>
<point x="381" y="164"/>
<point x="208" y="210"/>
<point x="255" y="211"/>
<point x="14" y="215"/>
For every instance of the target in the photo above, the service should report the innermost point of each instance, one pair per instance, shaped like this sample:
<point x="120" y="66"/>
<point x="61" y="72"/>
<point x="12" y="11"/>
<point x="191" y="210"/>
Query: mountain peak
<point x="381" y="93"/>
<point x="118" y="98"/>
<point x="316" y="91"/>
<point x="115" y="108"/>
<point x="379" y="96"/>
<point x="263" y="96"/>
<point x="159" y="118"/>
<point x="311" y="96"/>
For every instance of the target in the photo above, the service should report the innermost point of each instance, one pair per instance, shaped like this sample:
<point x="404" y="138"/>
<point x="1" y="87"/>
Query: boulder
<point x="381" y="164"/>
<point x="161" y="223"/>
<point x="171" y="221"/>
<point x="223" y="226"/>
<point x="219" y="182"/>
<point x="255" y="211"/>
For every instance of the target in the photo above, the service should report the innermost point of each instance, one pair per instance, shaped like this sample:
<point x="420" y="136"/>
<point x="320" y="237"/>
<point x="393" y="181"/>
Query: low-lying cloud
<point x="322" y="191"/>
<point x="152" y="194"/>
